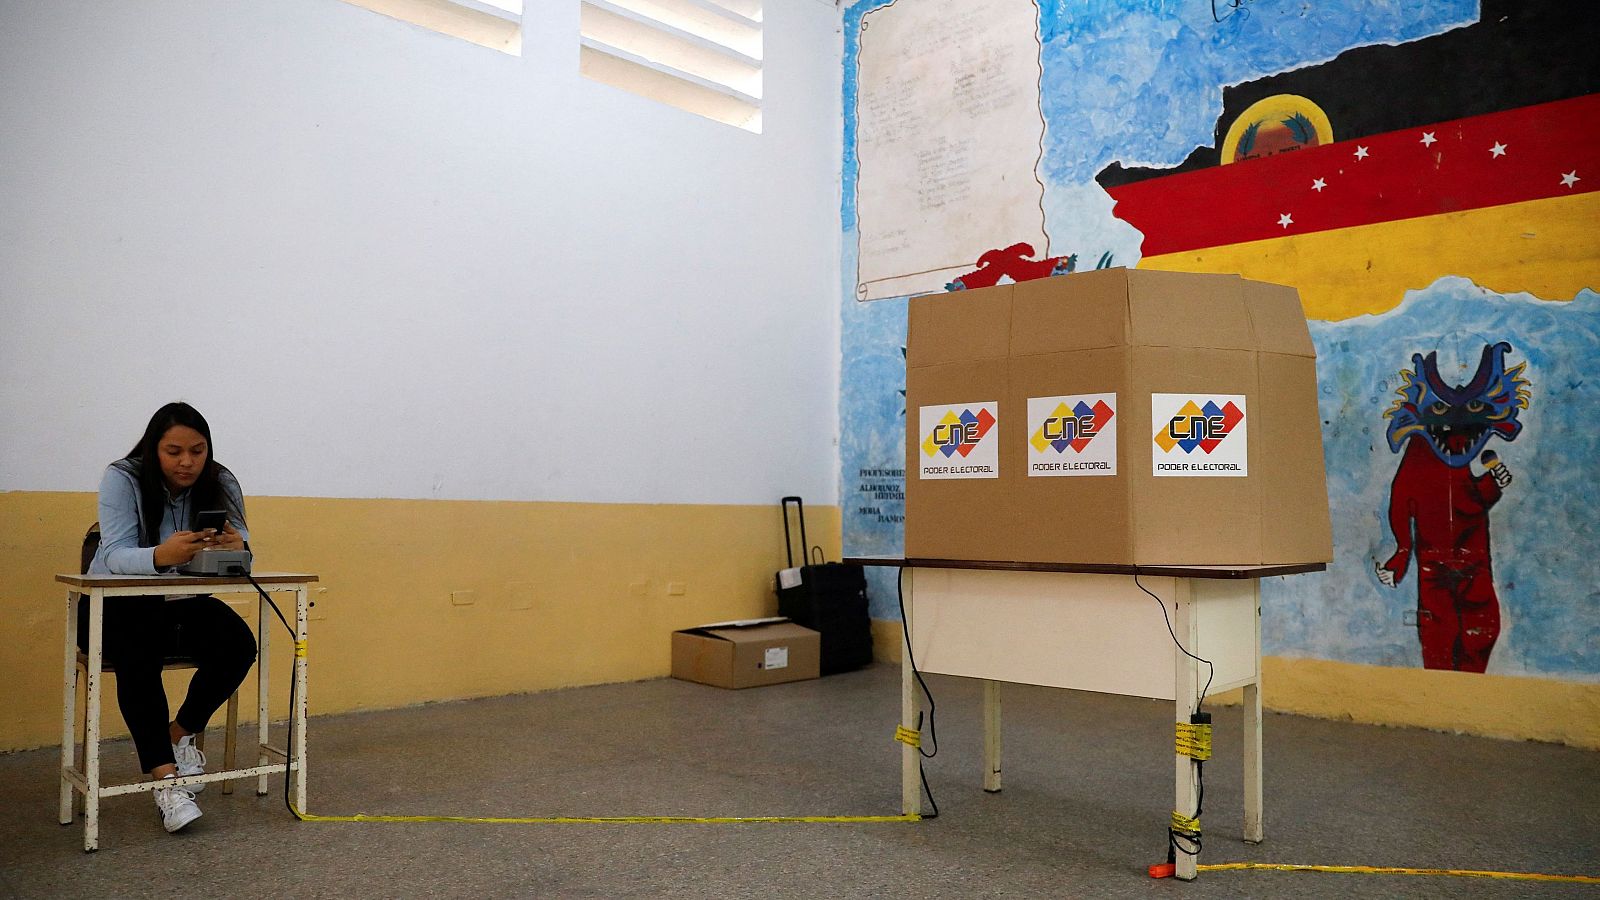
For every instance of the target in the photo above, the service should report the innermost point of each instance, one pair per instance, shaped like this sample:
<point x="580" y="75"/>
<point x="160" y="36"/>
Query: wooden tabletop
<point x="1234" y="572"/>
<point x="110" y="581"/>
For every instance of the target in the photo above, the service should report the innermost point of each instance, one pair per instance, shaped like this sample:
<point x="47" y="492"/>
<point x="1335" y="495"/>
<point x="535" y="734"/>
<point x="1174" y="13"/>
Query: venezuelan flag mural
<point x="1354" y="217"/>
<point x="1503" y="199"/>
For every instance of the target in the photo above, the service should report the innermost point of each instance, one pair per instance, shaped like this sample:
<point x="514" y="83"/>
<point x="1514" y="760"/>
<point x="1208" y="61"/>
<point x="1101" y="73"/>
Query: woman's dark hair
<point x="145" y="460"/>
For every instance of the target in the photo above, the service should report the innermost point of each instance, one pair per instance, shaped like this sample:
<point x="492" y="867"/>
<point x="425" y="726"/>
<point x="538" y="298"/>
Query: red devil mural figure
<point x="1439" y="510"/>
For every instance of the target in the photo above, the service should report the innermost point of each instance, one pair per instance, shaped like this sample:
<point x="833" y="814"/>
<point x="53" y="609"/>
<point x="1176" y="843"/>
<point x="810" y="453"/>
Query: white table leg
<point x="1186" y="688"/>
<point x="991" y="736"/>
<point x="91" y="724"/>
<point x="69" y="710"/>
<point x="1254" y="826"/>
<point x="910" y="757"/>
<point x="298" y="751"/>
<point x="263" y="712"/>
<point x="230" y="741"/>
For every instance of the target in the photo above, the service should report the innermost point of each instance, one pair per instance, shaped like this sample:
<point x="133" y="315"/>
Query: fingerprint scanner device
<point x="218" y="563"/>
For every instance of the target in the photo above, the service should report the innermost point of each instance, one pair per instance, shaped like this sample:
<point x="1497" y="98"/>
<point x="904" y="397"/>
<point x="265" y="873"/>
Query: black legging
<point x="140" y="633"/>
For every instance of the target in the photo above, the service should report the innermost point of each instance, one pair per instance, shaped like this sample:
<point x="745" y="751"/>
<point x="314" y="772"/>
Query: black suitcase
<point x="829" y="598"/>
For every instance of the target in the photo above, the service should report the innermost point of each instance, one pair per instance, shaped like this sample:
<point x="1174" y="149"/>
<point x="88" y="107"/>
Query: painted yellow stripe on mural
<point x="1548" y="248"/>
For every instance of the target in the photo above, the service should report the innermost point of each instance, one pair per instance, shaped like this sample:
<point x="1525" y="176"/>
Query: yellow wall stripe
<point x="430" y="599"/>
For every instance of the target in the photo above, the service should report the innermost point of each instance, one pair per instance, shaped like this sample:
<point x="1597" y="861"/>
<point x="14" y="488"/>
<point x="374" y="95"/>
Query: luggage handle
<point x="788" y="542"/>
<point x="815" y="554"/>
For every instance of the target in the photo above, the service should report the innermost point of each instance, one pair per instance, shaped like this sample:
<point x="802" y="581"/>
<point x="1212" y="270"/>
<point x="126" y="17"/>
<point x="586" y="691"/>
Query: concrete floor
<point x="1088" y="793"/>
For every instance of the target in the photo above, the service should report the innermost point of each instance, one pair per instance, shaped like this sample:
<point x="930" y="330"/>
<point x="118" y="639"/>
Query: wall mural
<point x="1439" y="511"/>
<point x="1427" y="177"/>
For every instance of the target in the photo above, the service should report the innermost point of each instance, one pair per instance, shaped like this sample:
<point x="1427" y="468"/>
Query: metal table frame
<point x="99" y="589"/>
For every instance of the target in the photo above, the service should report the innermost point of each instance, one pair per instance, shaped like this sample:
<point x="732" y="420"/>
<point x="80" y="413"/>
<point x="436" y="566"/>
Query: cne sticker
<point x="1072" y="435"/>
<point x="960" y="440"/>
<point x="1199" y="436"/>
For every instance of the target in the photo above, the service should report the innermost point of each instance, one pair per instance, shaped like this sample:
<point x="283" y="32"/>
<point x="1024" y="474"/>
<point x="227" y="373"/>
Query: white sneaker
<point x="177" y="807"/>
<point x="191" y="760"/>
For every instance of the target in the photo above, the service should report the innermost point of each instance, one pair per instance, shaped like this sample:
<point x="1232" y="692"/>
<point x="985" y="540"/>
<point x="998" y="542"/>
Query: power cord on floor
<point x="911" y="660"/>
<point x="1183" y="833"/>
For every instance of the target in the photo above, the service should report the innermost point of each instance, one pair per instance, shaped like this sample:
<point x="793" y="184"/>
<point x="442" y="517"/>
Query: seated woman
<point x="149" y="504"/>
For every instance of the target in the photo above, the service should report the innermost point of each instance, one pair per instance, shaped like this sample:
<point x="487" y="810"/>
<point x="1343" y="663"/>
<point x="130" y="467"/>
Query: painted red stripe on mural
<point x="1528" y="153"/>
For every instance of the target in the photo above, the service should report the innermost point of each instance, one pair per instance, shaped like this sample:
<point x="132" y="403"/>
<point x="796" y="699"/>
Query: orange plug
<point x="1164" y="870"/>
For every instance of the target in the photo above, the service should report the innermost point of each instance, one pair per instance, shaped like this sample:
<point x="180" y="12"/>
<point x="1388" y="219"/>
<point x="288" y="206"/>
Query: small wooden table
<point x="1087" y="627"/>
<point x="100" y="588"/>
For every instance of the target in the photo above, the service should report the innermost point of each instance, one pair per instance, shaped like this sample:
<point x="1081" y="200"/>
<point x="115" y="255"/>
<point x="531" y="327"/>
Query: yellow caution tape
<point x="1184" y="824"/>
<point x="908" y="736"/>
<point x="1194" y="740"/>
<point x="299" y="649"/>
<point x="1395" y="870"/>
<point x="607" y="820"/>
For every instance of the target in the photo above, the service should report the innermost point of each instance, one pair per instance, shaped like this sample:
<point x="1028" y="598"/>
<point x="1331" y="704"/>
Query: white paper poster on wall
<point x="949" y="137"/>
<point x="959" y="441"/>
<point x="1072" y="435"/>
<point x="1199" y="435"/>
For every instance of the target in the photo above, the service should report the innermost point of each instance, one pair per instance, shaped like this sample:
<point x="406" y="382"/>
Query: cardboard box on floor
<point x="746" y="653"/>
<point x="1117" y="417"/>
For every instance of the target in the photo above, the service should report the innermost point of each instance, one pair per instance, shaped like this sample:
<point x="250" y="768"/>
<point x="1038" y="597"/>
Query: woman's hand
<point x="227" y="539"/>
<point x="180" y="548"/>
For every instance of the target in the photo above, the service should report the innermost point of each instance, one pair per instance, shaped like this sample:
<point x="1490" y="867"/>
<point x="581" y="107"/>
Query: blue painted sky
<point x="1140" y="81"/>
<point x="1546" y="555"/>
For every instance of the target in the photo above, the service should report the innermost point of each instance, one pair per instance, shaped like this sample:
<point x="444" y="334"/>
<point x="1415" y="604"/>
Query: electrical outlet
<point x="677" y="588"/>
<point x="315" y="613"/>
<point x="519" y="594"/>
<point x="463" y="598"/>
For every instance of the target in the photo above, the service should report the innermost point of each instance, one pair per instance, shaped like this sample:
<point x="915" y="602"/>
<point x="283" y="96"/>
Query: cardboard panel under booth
<point x="1115" y="417"/>
<point x="746" y="653"/>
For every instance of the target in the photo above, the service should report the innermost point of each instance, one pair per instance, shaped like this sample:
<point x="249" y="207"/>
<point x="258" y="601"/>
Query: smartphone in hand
<point x="214" y="519"/>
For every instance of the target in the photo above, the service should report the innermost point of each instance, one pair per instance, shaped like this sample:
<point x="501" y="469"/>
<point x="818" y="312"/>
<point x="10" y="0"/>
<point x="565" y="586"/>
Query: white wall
<point x="388" y="263"/>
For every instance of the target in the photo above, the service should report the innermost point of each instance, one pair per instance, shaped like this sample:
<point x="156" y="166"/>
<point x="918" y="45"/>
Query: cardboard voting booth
<point x="1117" y="417"/>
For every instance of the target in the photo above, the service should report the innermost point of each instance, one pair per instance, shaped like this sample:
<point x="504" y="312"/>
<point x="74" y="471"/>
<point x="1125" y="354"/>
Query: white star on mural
<point x="1568" y="179"/>
<point x="1286" y="220"/>
<point x="1318" y="185"/>
<point x="1361" y="152"/>
<point x="1498" y="149"/>
<point x="1428" y="139"/>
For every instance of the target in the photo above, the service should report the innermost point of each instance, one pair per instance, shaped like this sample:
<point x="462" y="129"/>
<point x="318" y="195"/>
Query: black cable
<point x="911" y="660"/>
<point x="933" y="735"/>
<point x="929" y="791"/>
<point x="1211" y="670"/>
<point x="274" y="606"/>
<point x="294" y="684"/>
<point x="1175" y="836"/>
